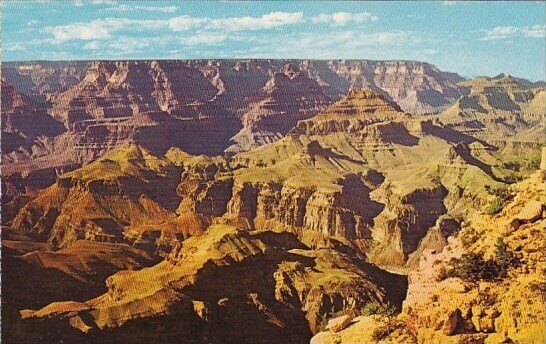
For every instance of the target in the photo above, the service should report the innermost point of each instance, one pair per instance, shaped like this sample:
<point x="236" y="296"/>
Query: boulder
<point x="339" y="323"/>
<point x="532" y="211"/>
<point x="453" y="323"/>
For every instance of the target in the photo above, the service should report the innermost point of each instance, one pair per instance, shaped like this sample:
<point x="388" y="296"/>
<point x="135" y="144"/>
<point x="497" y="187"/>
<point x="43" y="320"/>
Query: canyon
<point x="231" y="105"/>
<point x="266" y="201"/>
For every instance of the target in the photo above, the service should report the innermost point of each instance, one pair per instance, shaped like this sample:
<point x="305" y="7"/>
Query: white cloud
<point x="78" y="3"/>
<point x="93" y="45"/>
<point x="205" y="38"/>
<point x="185" y="23"/>
<point x="99" y="29"/>
<point x="344" y="18"/>
<point x="128" y="8"/>
<point x="96" y="29"/>
<point x="267" y="21"/>
<point x="503" y="32"/>
<point x="15" y="47"/>
<point x="32" y="22"/>
<point x="449" y="3"/>
<point x="537" y="31"/>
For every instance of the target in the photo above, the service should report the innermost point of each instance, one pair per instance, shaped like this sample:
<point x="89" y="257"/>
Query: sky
<point x="469" y="38"/>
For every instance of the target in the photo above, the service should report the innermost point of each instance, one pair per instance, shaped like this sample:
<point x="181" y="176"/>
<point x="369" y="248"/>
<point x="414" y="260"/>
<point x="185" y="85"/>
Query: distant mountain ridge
<point x="215" y="107"/>
<point x="417" y="86"/>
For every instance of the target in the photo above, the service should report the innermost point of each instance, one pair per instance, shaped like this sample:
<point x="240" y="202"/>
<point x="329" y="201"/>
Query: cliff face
<point x="485" y="284"/>
<point x="498" y="108"/>
<point x="287" y="97"/>
<point x="23" y="121"/>
<point x="119" y="89"/>
<point x="201" y="106"/>
<point x="279" y="239"/>
<point x="337" y="174"/>
<point x="504" y="307"/>
<point x="109" y="200"/>
<point x="39" y="276"/>
<point x="269" y="280"/>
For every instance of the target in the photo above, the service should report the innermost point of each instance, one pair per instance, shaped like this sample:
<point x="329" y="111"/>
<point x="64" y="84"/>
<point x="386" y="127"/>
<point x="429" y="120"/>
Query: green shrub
<point x="473" y="267"/>
<point x="495" y="207"/>
<point x="503" y="257"/>
<point x="371" y="308"/>
<point x="502" y="197"/>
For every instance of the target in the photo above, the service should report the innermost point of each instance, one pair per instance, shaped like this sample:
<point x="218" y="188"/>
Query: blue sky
<point x="469" y="38"/>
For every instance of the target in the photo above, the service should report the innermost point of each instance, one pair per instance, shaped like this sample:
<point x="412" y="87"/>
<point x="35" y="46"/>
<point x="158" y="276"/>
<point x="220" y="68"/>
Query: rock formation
<point x="485" y="286"/>
<point x="497" y="108"/>
<point x="287" y="97"/>
<point x="110" y="200"/>
<point x="289" y="239"/>
<point x="336" y="174"/>
<point x="39" y="276"/>
<point x="268" y="280"/>
<point x="218" y="105"/>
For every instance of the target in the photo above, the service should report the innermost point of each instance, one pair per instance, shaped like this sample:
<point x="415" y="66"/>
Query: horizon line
<point x="278" y="59"/>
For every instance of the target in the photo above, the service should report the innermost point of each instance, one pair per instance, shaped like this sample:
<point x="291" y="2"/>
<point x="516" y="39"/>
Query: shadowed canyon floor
<point x="307" y="203"/>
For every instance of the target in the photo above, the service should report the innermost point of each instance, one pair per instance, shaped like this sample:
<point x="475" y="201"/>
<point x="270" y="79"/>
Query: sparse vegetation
<point x="371" y="308"/>
<point x="502" y="197"/>
<point x="495" y="207"/>
<point x="473" y="267"/>
<point x="503" y="257"/>
<point x="470" y="236"/>
<point x="390" y="326"/>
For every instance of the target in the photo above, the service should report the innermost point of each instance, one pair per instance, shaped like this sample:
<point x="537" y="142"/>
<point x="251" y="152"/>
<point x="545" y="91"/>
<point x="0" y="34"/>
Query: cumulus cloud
<point x="344" y="18"/>
<point x="205" y="38"/>
<point x="98" y="29"/>
<point x="129" y="8"/>
<point x="93" y="45"/>
<point x="503" y="32"/>
<point x="185" y="23"/>
<point x="267" y="21"/>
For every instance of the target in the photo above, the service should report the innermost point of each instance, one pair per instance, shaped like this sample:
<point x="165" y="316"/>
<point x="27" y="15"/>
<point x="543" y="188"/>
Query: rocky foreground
<point x="486" y="286"/>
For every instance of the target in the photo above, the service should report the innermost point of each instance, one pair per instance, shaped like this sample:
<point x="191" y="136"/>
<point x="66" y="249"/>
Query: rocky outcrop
<point x="23" y="121"/>
<point x="216" y="106"/>
<point x="419" y="87"/>
<point x="103" y="201"/>
<point x="350" y="115"/>
<point x="38" y="276"/>
<point x="119" y="89"/>
<point x="272" y="285"/>
<point x="446" y="304"/>
<point x="497" y="109"/>
<point x="286" y="98"/>
<point x="336" y="174"/>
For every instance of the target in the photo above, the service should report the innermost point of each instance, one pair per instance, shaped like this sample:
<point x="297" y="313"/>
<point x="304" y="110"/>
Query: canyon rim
<point x="273" y="172"/>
